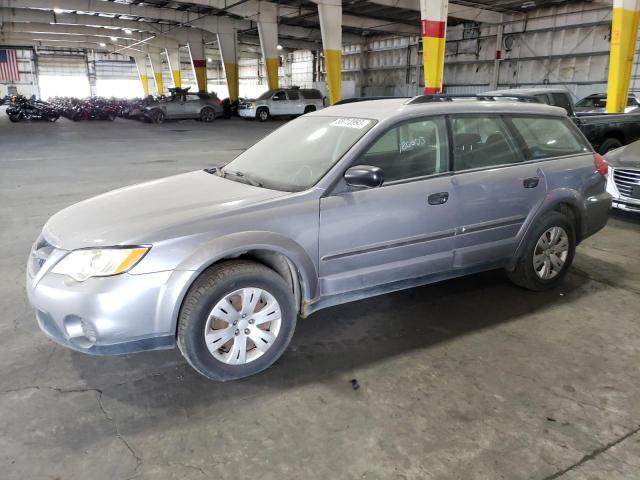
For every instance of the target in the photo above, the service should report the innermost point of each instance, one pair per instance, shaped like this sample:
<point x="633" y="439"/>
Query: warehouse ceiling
<point x="360" y="17"/>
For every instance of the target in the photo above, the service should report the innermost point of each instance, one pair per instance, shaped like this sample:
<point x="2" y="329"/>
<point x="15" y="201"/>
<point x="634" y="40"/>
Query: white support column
<point x="173" y="57"/>
<point x="330" y="14"/>
<point x="228" y="45"/>
<point x="156" y="67"/>
<point x="268" y="32"/>
<point x="199" y="63"/>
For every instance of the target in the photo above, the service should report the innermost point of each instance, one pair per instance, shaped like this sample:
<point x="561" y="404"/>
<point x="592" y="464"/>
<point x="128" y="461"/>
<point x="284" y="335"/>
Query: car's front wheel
<point x="207" y="115"/>
<point x="157" y="116"/>
<point x="547" y="255"/>
<point x="262" y="114"/>
<point x="236" y="320"/>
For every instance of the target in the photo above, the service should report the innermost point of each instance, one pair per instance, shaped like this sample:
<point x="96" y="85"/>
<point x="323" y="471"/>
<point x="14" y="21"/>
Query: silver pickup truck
<point x="284" y="101"/>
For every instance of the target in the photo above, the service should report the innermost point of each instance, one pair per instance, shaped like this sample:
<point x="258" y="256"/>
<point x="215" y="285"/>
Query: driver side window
<point x="413" y="149"/>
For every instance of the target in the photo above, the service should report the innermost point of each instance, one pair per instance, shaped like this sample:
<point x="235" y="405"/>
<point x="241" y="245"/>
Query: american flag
<point x="8" y="65"/>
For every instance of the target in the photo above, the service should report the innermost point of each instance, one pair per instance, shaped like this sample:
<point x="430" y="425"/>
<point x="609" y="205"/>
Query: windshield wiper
<point x="244" y="178"/>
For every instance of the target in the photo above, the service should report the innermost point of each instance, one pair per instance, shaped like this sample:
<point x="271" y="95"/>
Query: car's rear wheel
<point x="262" y="114"/>
<point x="236" y="320"/>
<point x="207" y="114"/>
<point x="309" y="108"/>
<point x="547" y="255"/>
<point x="157" y="116"/>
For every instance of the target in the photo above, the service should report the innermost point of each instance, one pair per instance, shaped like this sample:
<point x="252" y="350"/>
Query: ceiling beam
<point x="461" y="12"/>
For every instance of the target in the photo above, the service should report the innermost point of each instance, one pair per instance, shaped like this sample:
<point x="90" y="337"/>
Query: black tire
<point x="309" y="108"/>
<point x="207" y="114"/>
<point x="608" y="145"/>
<point x="524" y="275"/>
<point x="212" y="285"/>
<point x="14" y="118"/>
<point x="262" y="114"/>
<point x="157" y="116"/>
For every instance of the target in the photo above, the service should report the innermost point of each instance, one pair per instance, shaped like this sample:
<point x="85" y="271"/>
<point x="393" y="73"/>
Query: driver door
<point x="401" y="230"/>
<point x="279" y="103"/>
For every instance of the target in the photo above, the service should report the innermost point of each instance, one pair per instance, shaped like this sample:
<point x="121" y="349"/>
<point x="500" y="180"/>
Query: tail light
<point x="601" y="164"/>
<point x="218" y="102"/>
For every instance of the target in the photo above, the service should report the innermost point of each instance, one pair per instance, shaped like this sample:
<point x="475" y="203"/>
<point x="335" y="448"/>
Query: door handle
<point x="438" y="198"/>
<point x="530" y="182"/>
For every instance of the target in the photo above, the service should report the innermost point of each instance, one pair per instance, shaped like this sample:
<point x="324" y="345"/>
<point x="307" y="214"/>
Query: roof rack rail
<point x="447" y="97"/>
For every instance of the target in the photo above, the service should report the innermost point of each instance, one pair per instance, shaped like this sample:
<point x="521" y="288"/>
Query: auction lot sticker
<point x="358" y="123"/>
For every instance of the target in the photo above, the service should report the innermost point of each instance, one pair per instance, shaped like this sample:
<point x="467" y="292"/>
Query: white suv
<point x="284" y="101"/>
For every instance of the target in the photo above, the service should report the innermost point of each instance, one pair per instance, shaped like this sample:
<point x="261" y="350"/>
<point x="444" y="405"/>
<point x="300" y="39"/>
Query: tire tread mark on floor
<point x="592" y="455"/>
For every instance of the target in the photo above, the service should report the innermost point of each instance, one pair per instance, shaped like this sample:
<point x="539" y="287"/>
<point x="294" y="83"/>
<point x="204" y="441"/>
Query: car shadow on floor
<point x="330" y="344"/>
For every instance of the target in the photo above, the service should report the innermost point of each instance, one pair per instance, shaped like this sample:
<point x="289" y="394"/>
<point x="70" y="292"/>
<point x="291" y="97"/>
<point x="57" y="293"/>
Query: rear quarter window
<point x="311" y="94"/>
<point x="546" y="137"/>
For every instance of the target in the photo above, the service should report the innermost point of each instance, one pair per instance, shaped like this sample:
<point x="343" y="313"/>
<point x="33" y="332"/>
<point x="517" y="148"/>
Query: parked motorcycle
<point x="20" y="108"/>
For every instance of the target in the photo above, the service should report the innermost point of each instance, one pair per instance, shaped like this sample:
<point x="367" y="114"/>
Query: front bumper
<point x="109" y="315"/>
<point x="247" y="112"/>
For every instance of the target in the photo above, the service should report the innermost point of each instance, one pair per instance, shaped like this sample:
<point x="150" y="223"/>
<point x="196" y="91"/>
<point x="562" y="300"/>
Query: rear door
<point x="496" y="189"/>
<point x="296" y="102"/>
<point x="401" y="230"/>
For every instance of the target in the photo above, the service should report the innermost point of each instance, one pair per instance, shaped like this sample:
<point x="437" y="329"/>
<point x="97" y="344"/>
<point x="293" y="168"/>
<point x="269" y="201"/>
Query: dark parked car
<point x="605" y="131"/>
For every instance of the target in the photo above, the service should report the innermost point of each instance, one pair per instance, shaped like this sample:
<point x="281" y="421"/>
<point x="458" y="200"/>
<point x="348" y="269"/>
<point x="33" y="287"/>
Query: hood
<point x="625" y="157"/>
<point x="132" y="215"/>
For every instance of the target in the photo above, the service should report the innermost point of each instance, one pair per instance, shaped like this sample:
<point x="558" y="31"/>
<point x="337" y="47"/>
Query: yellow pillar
<point x="144" y="80"/>
<point x="434" y="27"/>
<point x="333" y="67"/>
<point x="231" y="72"/>
<point x="177" y="78"/>
<point x="173" y="57"/>
<point x="272" y="72"/>
<point x="159" y="84"/>
<point x="624" y="31"/>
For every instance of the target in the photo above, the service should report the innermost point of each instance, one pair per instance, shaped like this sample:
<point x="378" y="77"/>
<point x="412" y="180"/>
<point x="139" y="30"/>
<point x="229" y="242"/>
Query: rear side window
<point x="547" y="137"/>
<point x="311" y="94"/>
<point x="562" y="100"/>
<point x="480" y="142"/>
<point x="293" y="95"/>
<point x="412" y="149"/>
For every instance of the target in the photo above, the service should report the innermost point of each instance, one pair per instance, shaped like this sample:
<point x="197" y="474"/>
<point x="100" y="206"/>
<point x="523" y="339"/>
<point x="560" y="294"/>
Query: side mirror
<point x="364" y="176"/>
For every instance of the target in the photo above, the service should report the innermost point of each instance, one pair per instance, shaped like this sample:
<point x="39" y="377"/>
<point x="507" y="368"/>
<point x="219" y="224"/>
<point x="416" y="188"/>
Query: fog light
<point x="80" y="332"/>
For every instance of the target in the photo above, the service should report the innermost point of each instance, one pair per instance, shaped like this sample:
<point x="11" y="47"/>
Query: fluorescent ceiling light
<point x="114" y="39"/>
<point x="279" y="47"/>
<point x="57" y="10"/>
<point x="102" y="44"/>
<point x="127" y="31"/>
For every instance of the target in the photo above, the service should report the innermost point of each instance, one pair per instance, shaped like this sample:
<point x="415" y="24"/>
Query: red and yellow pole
<point x="624" y="31"/>
<point x="434" y="28"/>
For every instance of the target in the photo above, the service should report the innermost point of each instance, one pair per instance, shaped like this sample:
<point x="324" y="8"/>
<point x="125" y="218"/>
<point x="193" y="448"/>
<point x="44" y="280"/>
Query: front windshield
<point x="265" y="95"/>
<point x="298" y="154"/>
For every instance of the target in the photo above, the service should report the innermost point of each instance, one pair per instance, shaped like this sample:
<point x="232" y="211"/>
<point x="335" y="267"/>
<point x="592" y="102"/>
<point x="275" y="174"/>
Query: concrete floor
<point x="467" y="379"/>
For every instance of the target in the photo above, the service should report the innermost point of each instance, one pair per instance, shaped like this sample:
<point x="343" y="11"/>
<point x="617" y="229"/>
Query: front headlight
<point x="99" y="262"/>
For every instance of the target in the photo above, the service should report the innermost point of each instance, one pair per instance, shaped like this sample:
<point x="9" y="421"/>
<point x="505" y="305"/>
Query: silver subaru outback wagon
<point x="353" y="201"/>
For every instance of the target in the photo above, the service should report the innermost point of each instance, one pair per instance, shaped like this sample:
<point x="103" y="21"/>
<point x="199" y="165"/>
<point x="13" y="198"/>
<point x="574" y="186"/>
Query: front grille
<point x="625" y="179"/>
<point x="40" y="253"/>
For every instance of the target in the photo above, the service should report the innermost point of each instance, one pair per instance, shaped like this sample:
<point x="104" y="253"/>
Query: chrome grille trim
<point x="625" y="179"/>
<point x="40" y="253"/>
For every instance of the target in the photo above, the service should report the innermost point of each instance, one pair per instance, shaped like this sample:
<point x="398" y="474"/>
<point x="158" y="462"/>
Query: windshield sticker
<point x="358" y="123"/>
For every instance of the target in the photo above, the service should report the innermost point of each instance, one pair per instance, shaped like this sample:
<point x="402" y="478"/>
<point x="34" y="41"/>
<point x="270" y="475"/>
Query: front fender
<point x="237" y="243"/>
